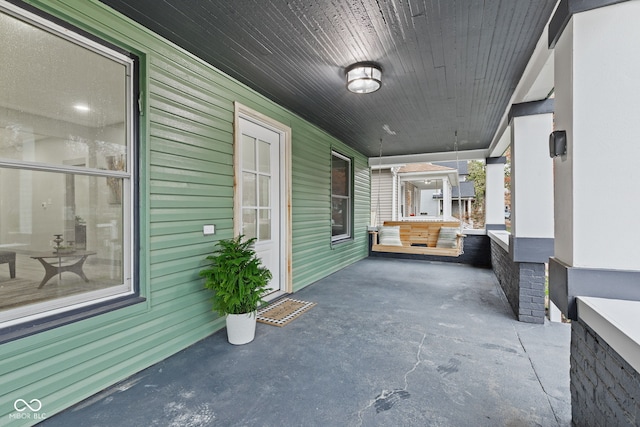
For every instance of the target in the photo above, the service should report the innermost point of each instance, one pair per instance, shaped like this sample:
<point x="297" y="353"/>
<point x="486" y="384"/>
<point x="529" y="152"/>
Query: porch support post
<point x="596" y="265"/>
<point x="531" y="239"/>
<point x="446" y="199"/>
<point x="597" y="88"/>
<point x="531" y="182"/>
<point x="394" y="194"/>
<point x="494" y="196"/>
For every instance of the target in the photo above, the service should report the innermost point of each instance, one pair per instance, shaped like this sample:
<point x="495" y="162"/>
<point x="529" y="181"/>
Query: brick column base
<point x="523" y="284"/>
<point x="605" y="389"/>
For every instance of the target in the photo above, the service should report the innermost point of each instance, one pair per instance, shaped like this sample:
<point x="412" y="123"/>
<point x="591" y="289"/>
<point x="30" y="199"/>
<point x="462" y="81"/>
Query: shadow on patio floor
<point x="389" y="343"/>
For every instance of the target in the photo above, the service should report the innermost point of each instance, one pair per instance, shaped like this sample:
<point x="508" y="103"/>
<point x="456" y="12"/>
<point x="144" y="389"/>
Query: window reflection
<point x="65" y="184"/>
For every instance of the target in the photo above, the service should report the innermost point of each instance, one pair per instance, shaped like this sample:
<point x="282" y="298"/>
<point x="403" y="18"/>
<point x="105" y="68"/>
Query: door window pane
<point x="248" y="153"/>
<point x="249" y="189"/>
<point x="249" y="223"/>
<point x="264" y="154"/>
<point x="265" y="224"/>
<point x="265" y="183"/>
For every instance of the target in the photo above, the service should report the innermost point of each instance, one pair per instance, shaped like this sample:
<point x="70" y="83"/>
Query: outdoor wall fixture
<point x="557" y="143"/>
<point x="364" y="78"/>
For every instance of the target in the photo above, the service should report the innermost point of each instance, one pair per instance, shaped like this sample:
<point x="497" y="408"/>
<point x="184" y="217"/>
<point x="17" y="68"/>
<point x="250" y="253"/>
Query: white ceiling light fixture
<point x="364" y="77"/>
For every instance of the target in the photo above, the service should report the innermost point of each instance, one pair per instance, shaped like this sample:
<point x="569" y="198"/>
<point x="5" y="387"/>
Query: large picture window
<point x="340" y="197"/>
<point x="66" y="169"/>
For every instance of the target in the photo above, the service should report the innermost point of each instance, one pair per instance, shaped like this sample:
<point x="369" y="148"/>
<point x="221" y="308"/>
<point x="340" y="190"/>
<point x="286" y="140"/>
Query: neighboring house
<point x="461" y="166"/>
<point x="135" y="186"/>
<point x="427" y="191"/>
<point x="464" y="195"/>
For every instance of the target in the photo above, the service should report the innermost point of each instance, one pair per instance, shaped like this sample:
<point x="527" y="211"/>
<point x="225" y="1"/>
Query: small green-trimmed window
<point x="67" y="170"/>
<point x="341" y="187"/>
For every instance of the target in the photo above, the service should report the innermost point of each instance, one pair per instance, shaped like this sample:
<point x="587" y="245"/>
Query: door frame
<point x="244" y="112"/>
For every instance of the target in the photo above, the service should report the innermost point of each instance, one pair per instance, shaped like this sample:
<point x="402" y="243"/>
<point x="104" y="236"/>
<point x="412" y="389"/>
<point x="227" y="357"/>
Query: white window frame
<point x="348" y="227"/>
<point x="55" y="308"/>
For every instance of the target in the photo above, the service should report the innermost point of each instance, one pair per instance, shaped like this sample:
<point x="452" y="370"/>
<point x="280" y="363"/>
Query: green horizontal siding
<point x="314" y="255"/>
<point x="186" y="181"/>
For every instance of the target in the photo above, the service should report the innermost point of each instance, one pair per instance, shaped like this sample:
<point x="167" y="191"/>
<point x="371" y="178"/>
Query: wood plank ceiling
<point x="448" y="65"/>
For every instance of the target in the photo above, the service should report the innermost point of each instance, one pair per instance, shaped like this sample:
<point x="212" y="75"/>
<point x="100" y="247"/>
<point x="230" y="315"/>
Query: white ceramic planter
<point x="241" y="328"/>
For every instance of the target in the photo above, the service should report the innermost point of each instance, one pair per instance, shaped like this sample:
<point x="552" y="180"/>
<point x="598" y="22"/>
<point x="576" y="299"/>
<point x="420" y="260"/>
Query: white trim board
<point x="616" y="321"/>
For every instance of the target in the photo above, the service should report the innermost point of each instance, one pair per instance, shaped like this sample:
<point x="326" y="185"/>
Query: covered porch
<point x="390" y="342"/>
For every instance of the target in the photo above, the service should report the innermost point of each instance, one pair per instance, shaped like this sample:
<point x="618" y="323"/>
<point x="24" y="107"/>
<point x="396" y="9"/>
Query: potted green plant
<point x="239" y="281"/>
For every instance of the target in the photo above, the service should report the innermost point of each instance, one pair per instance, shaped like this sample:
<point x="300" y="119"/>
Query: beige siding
<point x="382" y="195"/>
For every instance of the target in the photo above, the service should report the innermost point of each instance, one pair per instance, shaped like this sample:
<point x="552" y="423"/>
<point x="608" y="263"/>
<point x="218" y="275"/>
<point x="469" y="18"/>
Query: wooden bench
<point x="420" y="237"/>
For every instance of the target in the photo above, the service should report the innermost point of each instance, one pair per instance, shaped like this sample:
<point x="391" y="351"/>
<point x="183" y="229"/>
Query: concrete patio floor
<point x="389" y="343"/>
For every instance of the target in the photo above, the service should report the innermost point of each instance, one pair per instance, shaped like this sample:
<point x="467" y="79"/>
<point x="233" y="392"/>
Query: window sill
<point x="43" y="324"/>
<point x="341" y="241"/>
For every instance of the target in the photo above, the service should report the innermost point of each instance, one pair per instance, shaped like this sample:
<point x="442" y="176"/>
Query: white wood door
<point x="260" y="193"/>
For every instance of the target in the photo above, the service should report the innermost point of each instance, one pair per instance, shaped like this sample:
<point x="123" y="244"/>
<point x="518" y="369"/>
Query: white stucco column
<point x="394" y="193"/>
<point x="597" y="103"/>
<point x="531" y="182"/>
<point x="446" y="198"/>
<point x="494" y="193"/>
